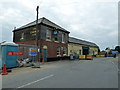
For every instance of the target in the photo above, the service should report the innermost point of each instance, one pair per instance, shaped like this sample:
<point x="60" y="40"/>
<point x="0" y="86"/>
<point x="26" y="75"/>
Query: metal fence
<point x="28" y="54"/>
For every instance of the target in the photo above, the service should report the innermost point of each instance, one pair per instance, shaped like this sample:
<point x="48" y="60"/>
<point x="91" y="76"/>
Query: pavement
<point x="96" y="73"/>
<point x="20" y="70"/>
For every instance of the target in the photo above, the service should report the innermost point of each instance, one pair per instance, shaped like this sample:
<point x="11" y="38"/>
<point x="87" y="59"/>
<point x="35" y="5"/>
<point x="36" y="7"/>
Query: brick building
<point x="52" y="39"/>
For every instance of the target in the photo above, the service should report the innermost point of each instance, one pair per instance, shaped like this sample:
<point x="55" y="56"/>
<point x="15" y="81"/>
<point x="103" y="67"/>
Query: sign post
<point x="33" y="52"/>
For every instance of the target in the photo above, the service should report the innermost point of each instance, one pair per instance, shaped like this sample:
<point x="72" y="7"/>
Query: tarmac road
<point x="97" y="73"/>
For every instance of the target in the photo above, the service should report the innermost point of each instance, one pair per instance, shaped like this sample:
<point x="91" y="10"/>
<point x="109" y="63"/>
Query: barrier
<point x="42" y="60"/>
<point x="82" y="57"/>
<point x="100" y="55"/>
<point x="4" y="71"/>
<point x="89" y="57"/>
<point x="97" y="55"/>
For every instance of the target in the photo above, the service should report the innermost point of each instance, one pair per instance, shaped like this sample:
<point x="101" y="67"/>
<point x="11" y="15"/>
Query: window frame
<point x="58" y="51"/>
<point x="64" y="50"/>
<point x="48" y="34"/>
<point x="22" y="36"/>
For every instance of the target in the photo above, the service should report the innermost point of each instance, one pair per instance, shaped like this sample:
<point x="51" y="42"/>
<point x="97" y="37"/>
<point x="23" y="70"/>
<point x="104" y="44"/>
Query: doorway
<point x="45" y="53"/>
<point x="85" y="50"/>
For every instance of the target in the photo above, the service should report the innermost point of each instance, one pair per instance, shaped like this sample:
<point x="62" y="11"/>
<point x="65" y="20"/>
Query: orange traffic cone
<point x="42" y="60"/>
<point x="4" y="71"/>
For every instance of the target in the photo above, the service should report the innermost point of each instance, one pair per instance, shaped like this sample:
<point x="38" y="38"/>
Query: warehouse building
<point x="81" y="47"/>
<point x="52" y="39"/>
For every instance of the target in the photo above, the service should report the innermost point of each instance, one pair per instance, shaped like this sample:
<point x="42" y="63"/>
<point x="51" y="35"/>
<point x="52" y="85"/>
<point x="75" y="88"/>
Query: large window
<point x="64" y="50"/>
<point x="55" y="35"/>
<point x="58" y="51"/>
<point x="64" y="37"/>
<point x="48" y="34"/>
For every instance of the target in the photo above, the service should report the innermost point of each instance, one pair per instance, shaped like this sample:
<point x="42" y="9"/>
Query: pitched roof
<point x="81" y="42"/>
<point x="45" y="21"/>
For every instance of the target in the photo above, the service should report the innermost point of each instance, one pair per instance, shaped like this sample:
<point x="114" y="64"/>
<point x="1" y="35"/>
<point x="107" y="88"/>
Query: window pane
<point x="55" y="35"/>
<point x="48" y="34"/>
<point x="64" y="50"/>
<point x="58" y="50"/>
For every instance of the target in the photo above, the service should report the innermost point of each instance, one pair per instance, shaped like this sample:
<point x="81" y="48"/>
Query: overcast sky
<point x="91" y="20"/>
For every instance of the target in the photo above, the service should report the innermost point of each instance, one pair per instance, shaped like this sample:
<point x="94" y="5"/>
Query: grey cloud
<point x="89" y="21"/>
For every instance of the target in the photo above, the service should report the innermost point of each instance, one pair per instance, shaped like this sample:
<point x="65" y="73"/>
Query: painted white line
<point x="114" y="65"/>
<point x="35" y="81"/>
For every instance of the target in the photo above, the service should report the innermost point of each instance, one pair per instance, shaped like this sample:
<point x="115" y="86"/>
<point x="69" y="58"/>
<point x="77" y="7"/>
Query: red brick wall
<point x="52" y="47"/>
<point x="27" y="42"/>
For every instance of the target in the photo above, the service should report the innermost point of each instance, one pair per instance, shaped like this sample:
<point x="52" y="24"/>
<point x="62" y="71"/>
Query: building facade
<point x="81" y="47"/>
<point x="52" y="39"/>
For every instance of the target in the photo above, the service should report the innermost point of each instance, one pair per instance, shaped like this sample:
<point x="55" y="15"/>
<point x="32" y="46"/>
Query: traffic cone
<point x="4" y="71"/>
<point x="42" y="60"/>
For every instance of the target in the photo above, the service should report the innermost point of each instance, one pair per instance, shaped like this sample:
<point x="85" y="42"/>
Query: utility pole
<point x="37" y="9"/>
<point x="37" y="65"/>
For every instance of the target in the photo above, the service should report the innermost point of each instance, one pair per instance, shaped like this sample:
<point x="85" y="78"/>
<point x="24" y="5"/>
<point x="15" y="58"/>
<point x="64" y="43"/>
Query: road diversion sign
<point x="15" y="53"/>
<point x="32" y="51"/>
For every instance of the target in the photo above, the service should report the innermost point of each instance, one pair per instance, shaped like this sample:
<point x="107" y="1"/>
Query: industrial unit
<point x="81" y="47"/>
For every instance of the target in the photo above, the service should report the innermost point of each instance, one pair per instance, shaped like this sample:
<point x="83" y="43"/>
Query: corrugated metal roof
<point x="44" y="21"/>
<point x="81" y="42"/>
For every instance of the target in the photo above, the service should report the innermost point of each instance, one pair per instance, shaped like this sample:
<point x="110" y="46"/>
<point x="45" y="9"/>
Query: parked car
<point x="112" y="54"/>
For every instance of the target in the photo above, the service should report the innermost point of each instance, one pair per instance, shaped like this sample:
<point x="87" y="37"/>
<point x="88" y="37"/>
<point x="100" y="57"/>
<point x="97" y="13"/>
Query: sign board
<point x="15" y="53"/>
<point x="85" y="47"/>
<point x="32" y="51"/>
